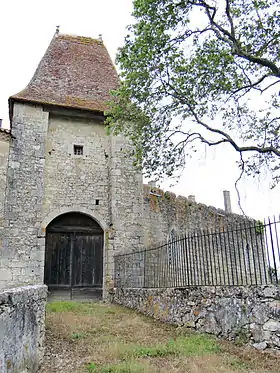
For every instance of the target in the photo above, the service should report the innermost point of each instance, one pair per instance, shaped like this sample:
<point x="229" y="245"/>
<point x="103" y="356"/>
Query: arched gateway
<point x="74" y="253"/>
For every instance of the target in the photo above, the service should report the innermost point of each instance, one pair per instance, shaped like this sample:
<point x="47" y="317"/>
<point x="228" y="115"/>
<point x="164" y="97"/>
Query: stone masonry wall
<point x="22" y="328"/>
<point x="127" y="196"/>
<point x="4" y="154"/>
<point x="21" y="260"/>
<point x="46" y="179"/>
<point x="164" y="211"/>
<point x="247" y="314"/>
<point x="75" y="182"/>
<point x="102" y="173"/>
<point x="236" y="258"/>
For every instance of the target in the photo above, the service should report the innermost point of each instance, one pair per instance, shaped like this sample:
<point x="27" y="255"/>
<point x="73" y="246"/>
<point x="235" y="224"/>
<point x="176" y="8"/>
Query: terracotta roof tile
<point x="75" y="72"/>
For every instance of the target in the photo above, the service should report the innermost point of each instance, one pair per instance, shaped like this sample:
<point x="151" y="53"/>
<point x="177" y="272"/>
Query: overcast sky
<point x="26" y="28"/>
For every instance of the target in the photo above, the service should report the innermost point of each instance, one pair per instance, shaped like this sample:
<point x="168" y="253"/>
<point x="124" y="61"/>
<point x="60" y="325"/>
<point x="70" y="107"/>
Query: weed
<point x="236" y="363"/>
<point x="127" y="367"/>
<point x="91" y="367"/>
<point x="153" y="351"/>
<point x="241" y="336"/>
<point x="75" y="335"/>
<point x="195" y="344"/>
<point x="185" y="346"/>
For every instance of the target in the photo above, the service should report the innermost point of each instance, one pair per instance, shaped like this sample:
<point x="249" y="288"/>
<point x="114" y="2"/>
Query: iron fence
<point x="245" y="254"/>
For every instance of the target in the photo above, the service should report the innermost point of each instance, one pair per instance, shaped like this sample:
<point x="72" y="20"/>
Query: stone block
<point x="272" y="326"/>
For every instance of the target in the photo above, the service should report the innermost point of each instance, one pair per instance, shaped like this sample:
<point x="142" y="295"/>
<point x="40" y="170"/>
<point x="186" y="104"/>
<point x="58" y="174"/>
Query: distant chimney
<point x="191" y="197"/>
<point x="1" y="123"/>
<point x="227" y="201"/>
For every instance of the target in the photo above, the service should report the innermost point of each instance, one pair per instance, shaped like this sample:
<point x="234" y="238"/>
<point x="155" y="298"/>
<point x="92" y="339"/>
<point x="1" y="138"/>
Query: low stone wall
<point x="22" y="328"/>
<point x="248" y="314"/>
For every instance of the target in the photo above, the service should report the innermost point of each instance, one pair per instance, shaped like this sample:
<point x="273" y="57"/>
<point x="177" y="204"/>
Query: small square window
<point x="78" y="149"/>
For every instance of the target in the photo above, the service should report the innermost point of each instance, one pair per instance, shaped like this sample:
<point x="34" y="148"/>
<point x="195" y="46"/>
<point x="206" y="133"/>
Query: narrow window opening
<point x="97" y="202"/>
<point x="78" y="150"/>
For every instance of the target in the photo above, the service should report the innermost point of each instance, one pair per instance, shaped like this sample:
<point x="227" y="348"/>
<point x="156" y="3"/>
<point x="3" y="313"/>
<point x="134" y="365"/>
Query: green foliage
<point x="200" y="72"/>
<point x="259" y="226"/>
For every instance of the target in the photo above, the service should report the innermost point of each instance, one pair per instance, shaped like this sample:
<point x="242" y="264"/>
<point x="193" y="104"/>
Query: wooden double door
<point x="74" y="253"/>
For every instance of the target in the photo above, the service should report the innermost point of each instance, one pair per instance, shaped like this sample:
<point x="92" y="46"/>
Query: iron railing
<point x="247" y="253"/>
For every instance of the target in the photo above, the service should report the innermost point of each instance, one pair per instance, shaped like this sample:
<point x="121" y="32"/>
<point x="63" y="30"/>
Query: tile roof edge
<point x="34" y="101"/>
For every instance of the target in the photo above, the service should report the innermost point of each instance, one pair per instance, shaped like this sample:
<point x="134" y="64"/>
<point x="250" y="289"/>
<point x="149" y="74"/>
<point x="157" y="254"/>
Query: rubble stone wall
<point x="250" y="314"/>
<point x="164" y="211"/>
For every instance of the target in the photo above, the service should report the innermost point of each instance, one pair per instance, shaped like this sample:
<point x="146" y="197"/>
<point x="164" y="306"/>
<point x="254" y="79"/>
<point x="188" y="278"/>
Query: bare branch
<point x="270" y="85"/>
<point x="251" y="85"/>
<point x="237" y="181"/>
<point x="226" y="137"/>
<point x="240" y="149"/>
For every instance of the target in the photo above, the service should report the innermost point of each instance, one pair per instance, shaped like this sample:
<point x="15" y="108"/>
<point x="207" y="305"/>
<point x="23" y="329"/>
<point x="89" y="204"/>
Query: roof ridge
<point x="79" y="39"/>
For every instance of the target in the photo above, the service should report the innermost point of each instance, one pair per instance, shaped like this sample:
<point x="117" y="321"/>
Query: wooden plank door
<point x="58" y="259"/>
<point x="87" y="260"/>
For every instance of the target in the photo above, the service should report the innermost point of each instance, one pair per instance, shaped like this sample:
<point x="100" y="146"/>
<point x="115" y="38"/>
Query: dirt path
<point x="94" y="337"/>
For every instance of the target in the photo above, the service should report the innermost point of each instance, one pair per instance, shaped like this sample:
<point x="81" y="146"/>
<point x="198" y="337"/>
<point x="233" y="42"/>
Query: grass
<point x="102" y="338"/>
<point x="197" y="344"/>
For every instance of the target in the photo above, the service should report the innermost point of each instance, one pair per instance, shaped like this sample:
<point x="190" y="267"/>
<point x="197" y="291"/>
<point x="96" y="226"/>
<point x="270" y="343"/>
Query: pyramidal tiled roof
<point x="75" y="72"/>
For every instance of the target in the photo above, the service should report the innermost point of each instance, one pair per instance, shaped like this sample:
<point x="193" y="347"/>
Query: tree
<point x="200" y="72"/>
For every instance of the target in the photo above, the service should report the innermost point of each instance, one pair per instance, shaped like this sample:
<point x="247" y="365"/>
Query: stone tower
<point x="72" y="196"/>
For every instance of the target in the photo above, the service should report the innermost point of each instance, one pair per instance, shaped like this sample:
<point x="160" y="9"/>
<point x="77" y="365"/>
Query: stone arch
<point x="74" y="252"/>
<point x="64" y="210"/>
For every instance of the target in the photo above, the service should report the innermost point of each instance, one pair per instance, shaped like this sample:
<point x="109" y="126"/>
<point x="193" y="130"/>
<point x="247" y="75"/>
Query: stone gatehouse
<point x="70" y="197"/>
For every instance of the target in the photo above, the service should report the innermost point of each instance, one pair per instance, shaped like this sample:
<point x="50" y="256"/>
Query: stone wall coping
<point x="23" y="289"/>
<point x="172" y="198"/>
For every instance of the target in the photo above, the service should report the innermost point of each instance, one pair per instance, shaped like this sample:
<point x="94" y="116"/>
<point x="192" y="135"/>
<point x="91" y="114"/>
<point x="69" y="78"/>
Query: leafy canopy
<point x="200" y="72"/>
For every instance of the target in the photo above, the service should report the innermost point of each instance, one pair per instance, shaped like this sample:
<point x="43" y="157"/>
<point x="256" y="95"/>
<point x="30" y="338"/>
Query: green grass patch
<point x="125" y="367"/>
<point x="198" y="344"/>
<point x="82" y="308"/>
<point x="91" y="367"/>
<point x="77" y="335"/>
<point x="65" y="306"/>
<point x="100" y="310"/>
<point x="122" y="367"/>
